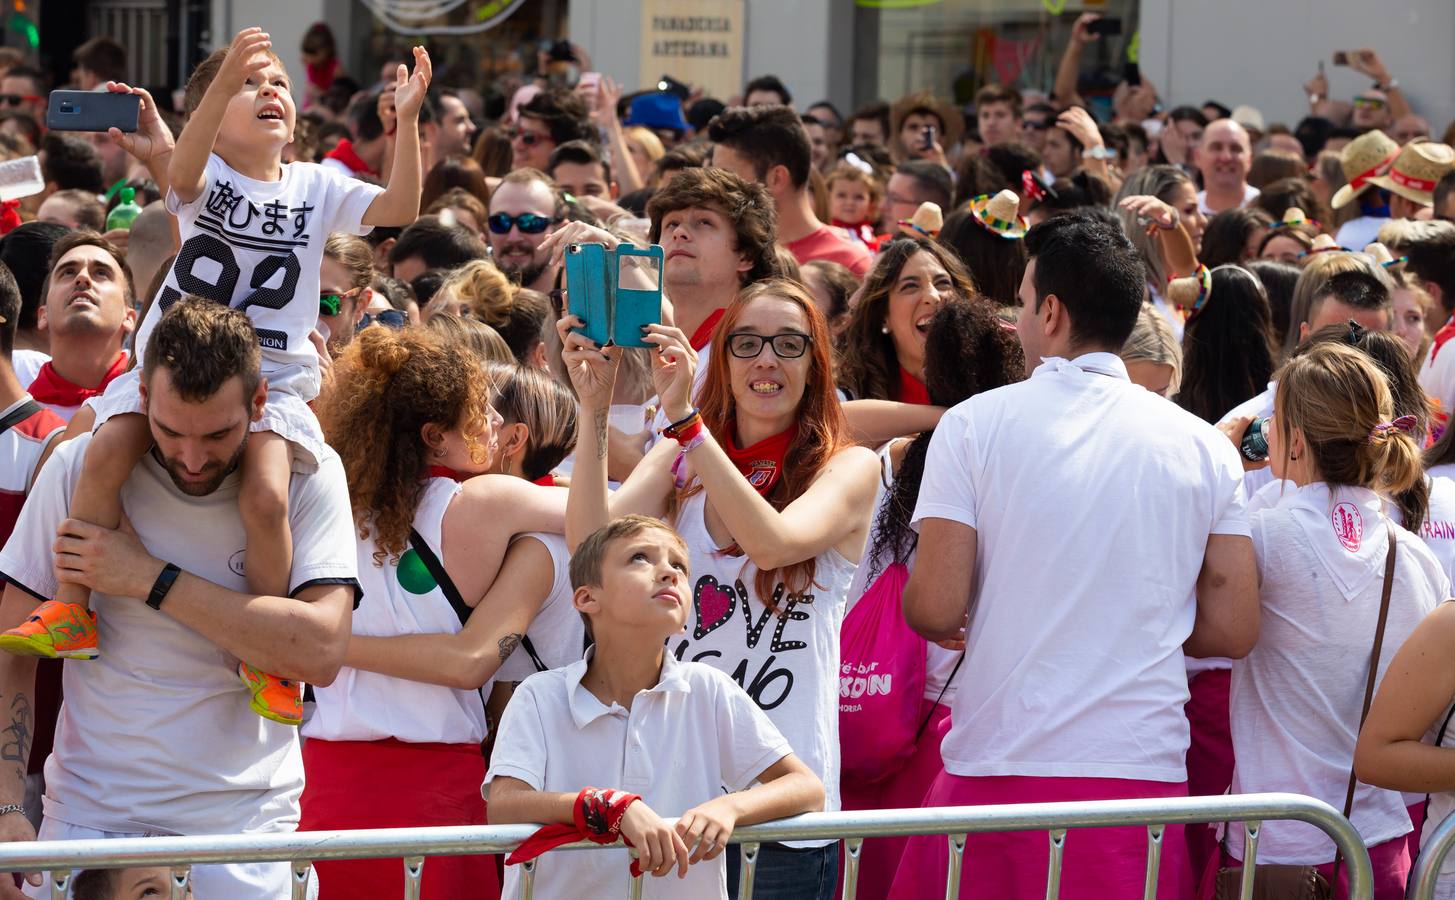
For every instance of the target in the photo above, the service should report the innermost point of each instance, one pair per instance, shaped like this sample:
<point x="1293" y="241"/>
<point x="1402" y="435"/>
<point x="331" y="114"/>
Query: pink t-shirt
<point x="831" y="244"/>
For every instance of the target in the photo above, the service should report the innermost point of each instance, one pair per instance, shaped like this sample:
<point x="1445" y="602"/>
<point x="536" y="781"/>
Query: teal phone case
<point x="613" y="315"/>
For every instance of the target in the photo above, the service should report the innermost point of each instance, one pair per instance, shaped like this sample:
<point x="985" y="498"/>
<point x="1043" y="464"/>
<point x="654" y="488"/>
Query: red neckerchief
<point x="49" y="387"/>
<point x="447" y="472"/>
<point x="546" y="480"/>
<point x="1446" y="332"/>
<point x="9" y="216"/>
<point x="911" y="389"/>
<point x="321" y="74"/>
<point x="703" y="334"/>
<point x="862" y="232"/>
<point x="345" y="154"/>
<point x="762" y="463"/>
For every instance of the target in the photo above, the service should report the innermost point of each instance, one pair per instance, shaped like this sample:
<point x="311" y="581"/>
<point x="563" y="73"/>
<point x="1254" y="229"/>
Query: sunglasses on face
<point x="17" y="99"/>
<point x="1035" y="125"/>
<point x="788" y="345"/>
<point x="528" y="223"/>
<point x="528" y="138"/>
<point x="329" y="303"/>
<point x="389" y="318"/>
<point x="1368" y="103"/>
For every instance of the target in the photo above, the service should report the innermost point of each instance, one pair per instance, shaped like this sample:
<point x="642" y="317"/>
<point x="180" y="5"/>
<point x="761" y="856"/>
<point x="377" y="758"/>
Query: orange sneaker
<point x="273" y="698"/>
<point x="56" y="631"/>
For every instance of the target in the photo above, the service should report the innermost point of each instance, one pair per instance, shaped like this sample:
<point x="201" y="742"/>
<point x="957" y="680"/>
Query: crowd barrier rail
<point x="412" y="845"/>
<point x="1432" y="857"/>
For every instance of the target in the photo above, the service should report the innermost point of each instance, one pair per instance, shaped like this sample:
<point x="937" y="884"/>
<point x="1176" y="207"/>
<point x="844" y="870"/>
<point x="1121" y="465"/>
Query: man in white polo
<point x="156" y="735"/>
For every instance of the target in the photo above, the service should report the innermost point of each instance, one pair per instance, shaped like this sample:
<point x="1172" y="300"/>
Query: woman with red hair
<point x="773" y="501"/>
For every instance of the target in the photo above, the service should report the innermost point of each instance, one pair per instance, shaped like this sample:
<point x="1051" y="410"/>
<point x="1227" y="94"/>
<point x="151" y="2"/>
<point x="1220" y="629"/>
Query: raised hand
<point x="409" y="90"/>
<point x="673" y="366"/>
<point x="247" y="55"/>
<point x="152" y="139"/>
<point x="591" y="368"/>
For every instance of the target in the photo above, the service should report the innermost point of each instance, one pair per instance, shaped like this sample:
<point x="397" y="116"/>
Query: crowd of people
<point x="1163" y="398"/>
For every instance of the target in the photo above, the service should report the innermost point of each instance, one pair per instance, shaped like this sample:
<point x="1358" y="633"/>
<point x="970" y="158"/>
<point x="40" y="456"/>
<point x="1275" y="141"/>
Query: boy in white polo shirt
<point x="1092" y="535"/>
<point x="602" y="746"/>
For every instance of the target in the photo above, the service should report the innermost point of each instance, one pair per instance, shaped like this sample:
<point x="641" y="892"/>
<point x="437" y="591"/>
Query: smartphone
<point x="588" y="82"/>
<point x="1105" y="27"/>
<point x="927" y="136"/>
<point x="613" y="313"/>
<point x="1132" y="74"/>
<point x="1341" y="57"/>
<point x="92" y="111"/>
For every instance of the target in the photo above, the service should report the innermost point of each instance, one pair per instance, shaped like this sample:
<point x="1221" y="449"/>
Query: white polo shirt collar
<point x="586" y="708"/>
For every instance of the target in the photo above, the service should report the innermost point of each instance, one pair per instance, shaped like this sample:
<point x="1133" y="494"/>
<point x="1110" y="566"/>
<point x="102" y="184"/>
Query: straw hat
<point x="1419" y="166"/>
<point x="924" y="101"/>
<point x="1322" y="244"/>
<point x="1388" y="260"/>
<point x="1000" y="214"/>
<point x="1366" y="156"/>
<point x="926" y="222"/>
<point x="1293" y="217"/>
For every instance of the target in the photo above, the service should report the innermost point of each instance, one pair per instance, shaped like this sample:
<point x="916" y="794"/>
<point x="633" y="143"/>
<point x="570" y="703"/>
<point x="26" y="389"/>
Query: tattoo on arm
<point x="602" y="418"/>
<point x="507" y="645"/>
<point x="15" y="744"/>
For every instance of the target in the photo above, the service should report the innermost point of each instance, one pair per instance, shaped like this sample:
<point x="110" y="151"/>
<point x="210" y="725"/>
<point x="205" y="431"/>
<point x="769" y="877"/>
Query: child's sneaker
<point x="274" y="698"/>
<point x="56" y="631"/>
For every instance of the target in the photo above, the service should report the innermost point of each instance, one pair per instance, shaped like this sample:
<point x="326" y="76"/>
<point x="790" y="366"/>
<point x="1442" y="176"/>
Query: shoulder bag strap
<point x="25" y="411"/>
<point x="1373" y="675"/>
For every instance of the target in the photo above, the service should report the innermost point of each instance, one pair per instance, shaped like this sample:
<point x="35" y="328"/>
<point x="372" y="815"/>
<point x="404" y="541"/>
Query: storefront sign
<point x="696" y="41"/>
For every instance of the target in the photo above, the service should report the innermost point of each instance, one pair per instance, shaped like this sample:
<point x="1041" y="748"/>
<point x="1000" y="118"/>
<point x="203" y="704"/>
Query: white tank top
<point x="788" y="663"/>
<point x="556" y="636"/>
<point x="401" y="598"/>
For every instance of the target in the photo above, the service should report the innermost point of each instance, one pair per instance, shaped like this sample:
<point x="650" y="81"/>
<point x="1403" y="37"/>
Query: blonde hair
<point x="482" y="287"/>
<point x="354" y="254"/>
<point x="1313" y="282"/>
<point x="1152" y="341"/>
<point x="649" y="143"/>
<point x="484" y="342"/>
<point x="548" y="411"/>
<point x="1338" y="397"/>
<point x="847" y="172"/>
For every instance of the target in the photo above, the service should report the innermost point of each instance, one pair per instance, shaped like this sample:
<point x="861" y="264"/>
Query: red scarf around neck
<point x="49" y="387"/>
<point x="447" y="472"/>
<point x="1442" y="337"/>
<point x="703" y="334"/>
<point x="911" y="389"/>
<point x="762" y="463"/>
<point x="344" y="152"/>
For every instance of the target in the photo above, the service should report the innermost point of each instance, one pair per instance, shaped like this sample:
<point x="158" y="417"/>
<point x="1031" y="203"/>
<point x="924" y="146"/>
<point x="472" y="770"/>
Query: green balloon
<point x="414" y="575"/>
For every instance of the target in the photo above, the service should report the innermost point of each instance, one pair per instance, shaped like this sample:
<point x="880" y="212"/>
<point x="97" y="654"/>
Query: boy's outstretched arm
<point x="245" y="56"/>
<point x="399" y="204"/>
<point x="786" y="788"/>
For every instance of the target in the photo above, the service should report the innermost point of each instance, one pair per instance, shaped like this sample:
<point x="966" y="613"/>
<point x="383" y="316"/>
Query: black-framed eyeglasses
<point x="389" y="318"/>
<point x="528" y="223"/>
<point x="786" y="345"/>
<point x="528" y="138"/>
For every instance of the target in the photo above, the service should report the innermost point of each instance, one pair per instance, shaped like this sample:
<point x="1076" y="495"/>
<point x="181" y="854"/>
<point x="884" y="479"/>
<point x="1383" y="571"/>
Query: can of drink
<point x="1254" y="445"/>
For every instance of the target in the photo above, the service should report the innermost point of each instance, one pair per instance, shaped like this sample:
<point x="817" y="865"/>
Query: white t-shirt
<point x="1249" y="193"/>
<point x="682" y="743"/>
<point x="1437" y="375"/>
<point x="788" y="663"/>
<point x="1356" y="234"/>
<point x="1170" y="314"/>
<point x="939" y="662"/>
<point x="1296" y="698"/>
<point x="27" y="365"/>
<point x="1438" y="530"/>
<point x="557" y="633"/>
<point x="156" y="734"/>
<point x="257" y="246"/>
<point x="401" y="597"/>
<point x="1073" y="480"/>
<point x="1260" y="406"/>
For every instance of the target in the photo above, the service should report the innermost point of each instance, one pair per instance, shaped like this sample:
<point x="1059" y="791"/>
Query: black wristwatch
<point x="162" y="585"/>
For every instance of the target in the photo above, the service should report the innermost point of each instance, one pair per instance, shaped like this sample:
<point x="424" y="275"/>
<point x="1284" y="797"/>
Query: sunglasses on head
<point x="389" y="318"/>
<point x="17" y="99"/>
<point x="528" y="223"/>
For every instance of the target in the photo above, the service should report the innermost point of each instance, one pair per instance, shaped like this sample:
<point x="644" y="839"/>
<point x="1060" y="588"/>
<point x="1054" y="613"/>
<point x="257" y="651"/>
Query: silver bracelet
<point x="11" y="808"/>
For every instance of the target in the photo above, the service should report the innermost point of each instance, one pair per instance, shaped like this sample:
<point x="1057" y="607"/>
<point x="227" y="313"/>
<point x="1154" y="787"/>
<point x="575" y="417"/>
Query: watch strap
<point x="162" y="585"/>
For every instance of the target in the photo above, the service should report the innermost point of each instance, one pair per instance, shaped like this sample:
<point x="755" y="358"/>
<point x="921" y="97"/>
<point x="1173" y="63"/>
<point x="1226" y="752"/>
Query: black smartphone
<point x="92" y="111"/>
<point x="1341" y="57"/>
<point x="1105" y="27"/>
<point x="1132" y="74"/>
<point x="927" y="136"/>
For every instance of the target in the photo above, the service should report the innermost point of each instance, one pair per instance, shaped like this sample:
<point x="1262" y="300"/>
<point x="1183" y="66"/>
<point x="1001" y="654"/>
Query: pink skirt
<point x="1099" y="863"/>
<point x="1210" y="757"/>
<point x="905" y="789"/>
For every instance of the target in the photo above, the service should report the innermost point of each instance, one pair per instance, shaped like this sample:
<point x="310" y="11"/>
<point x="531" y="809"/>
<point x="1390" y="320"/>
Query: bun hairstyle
<point x="1341" y="402"/>
<point x="387" y="386"/>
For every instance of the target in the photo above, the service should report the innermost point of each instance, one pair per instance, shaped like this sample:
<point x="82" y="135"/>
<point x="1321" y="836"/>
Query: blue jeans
<point x="788" y="873"/>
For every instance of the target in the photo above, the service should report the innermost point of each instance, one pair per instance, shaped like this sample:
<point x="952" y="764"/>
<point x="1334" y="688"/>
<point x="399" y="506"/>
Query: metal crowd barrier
<point x="302" y="849"/>
<point x="1432" y="857"/>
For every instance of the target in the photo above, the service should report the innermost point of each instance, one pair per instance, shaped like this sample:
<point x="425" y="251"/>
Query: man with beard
<point x="88" y="313"/>
<point x="525" y="210"/>
<point x="161" y="718"/>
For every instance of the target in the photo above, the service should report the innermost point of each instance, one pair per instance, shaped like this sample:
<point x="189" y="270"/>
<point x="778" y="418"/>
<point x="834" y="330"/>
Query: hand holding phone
<point x="92" y="111"/>
<point x="927" y="137"/>
<point x="614" y="311"/>
<point x="1341" y="57"/>
<point x="1105" y="27"/>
